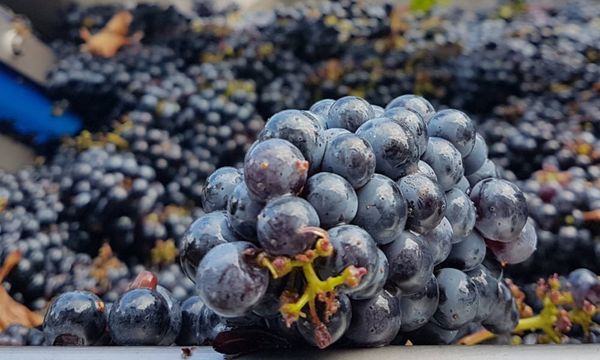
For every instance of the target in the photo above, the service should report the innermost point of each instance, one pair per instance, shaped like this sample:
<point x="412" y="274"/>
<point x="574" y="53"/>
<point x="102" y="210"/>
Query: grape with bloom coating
<point x="505" y="313"/>
<point x="475" y="160"/>
<point x="440" y="241"/>
<point x="375" y="321"/>
<point x="584" y="285"/>
<point x="335" y="328"/>
<point x="454" y="126"/>
<point x="501" y="209"/>
<point x="416" y="103"/>
<point x="228" y="282"/>
<point x="273" y="168"/>
<point x="486" y="171"/>
<point x="350" y="157"/>
<point x="375" y="280"/>
<point x="445" y="160"/>
<point x="518" y="250"/>
<point x="487" y="288"/>
<point x="382" y="209"/>
<point x="243" y="212"/>
<point x="301" y="131"/>
<point x="411" y="262"/>
<point x="426" y="202"/>
<point x="458" y="299"/>
<point x="460" y="212"/>
<point x="395" y="147"/>
<point x="349" y="112"/>
<point x="333" y="198"/>
<point x="321" y="107"/>
<point x="419" y="307"/>
<point x="283" y="226"/>
<point x="219" y="186"/>
<point x="467" y="253"/>
<point x="411" y="121"/>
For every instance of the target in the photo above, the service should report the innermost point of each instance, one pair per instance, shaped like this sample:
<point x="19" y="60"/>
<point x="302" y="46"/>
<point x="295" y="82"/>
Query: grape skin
<point x="467" y="253"/>
<point x="337" y="325"/>
<point x="488" y="290"/>
<point x="350" y="157"/>
<point x="440" y="241"/>
<point x="375" y="280"/>
<point x="460" y="211"/>
<point x="419" y="307"/>
<point x="505" y="314"/>
<point x="219" y="186"/>
<point x="243" y="212"/>
<point x="454" y="126"/>
<point x="445" y="160"/>
<point x="459" y="299"/>
<point x="375" y="321"/>
<point x="411" y="262"/>
<point x="411" y="121"/>
<point x="333" y="198"/>
<point x="416" y="103"/>
<point x="426" y="202"/>
<point x="475" y="160"/>
<point x="518" y="250"/>
<point x="349" y="112"/>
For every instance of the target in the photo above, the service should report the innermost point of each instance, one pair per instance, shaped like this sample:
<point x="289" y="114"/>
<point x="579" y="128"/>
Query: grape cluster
<point x="345" y="224"/>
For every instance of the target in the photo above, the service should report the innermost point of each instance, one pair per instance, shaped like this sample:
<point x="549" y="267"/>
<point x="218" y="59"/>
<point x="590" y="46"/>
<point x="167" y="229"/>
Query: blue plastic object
<point x="30" y="112"/>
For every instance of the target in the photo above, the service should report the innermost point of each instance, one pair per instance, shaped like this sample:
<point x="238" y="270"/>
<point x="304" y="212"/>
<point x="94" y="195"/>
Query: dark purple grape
<point x="463" y="185"/>
<point x="284" y="226"/>
<point x="460" y="211"/>
<point x="191" y="312"/>
<point x="454" y="126"/>
<point x="321" y="107"/>
<point x="349" y="112"/>
<point x="411" y="262"/>
<point x="352" y="245"/>
<point x="227" y="280"/>
<point x="505" y="314"/>
<point x="411" y="121"/>
<point x="333" y="198"/>
<point x="273" y="168"/>
<point x="382" y="209"/>
<point x="375" y="321"/>
<point x="203" y="234"/>
<point x="395" y="148"/>
<point x="458" y="299"/>
<point x="139" y="317"/>
<point x="440" y="241"/>
<point x="419" y="307"/>
<point x="243" y="212"/>
<point x="486" y="171"/>
<point x="487" y="288"/>
<point x="501" y="209"/>
<point x="415" y="103"/>
<point x="466" y="254"/>
<point x="335" y="327"/>
<point x="218" y="188"/>
<point x="301" y="131"/>
<point x="518" y="250"/>
<point x="375" y="280"/>
<point x="585" y="286"/>
<point x="75" y="318"/>
<point x="432" y="334"/>
<point x="350" y="157"/>
<point x="426" y="202"/>
<point x="175" y="317"/>
<point x="445" y="161"/>
<point x="475" y="160"/>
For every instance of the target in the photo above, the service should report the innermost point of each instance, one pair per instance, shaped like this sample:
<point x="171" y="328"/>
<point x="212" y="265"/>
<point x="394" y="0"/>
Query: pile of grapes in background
<point x="363" y="219"/>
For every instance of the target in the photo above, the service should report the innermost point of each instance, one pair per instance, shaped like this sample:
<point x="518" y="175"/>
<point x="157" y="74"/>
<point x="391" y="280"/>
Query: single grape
<point x="501" y="209"/>
<point x="243" y="212"/>
<point x="284" y="226"/>
<point x="273" y="168"/>
<point x="440" y="241"/>
<point x="395" y="148"/>
<point x="322" y="107"/>
<point x="211" y="324"/>
<point x="463" y="185"/>
<point x="317" y="119"/>
<point x="350" y="157"/>
<point x="191" y="310"/>
<point x="382" y="209"/>
<point x="219" y="186"/>
<point x="418" y="308"/>
<point x="487" y="288"/>
<point x="352" y="245"/>
<point x="329" y="134"/>
<point x="475" y="160"/>
<point x="584" y="285"/>
<point x="301" y="131"/>
<point x="415" y="103"/>
<point x="505" y="314"/>
<point x="432" y="334"/>
<point x="228" y="282"/>
<point x="486" y="171"/>
<point x="445" y="161"/>
<point x="426" y="202"/>
<point x="466" y="254"/>
<point x="454" y="126"/>
<point x="424" y="169"/>
<point x="349" y="112"/>
<point x="378" y="110"/>
<point x="333" y="198"/>
<point x="411" y="121"/>
<point x="375" y="280"/>
<point x="411" y="262"/>
<point x="376" y="321"/>
<point x="203" y="234"/>
<point x="518" y="250"/>
<point x="269" y="306"/>
<point x="175" y="316"/>
<point x="458" y="299"/>
<point x="75" y="318"/>
<point x="460" y="211"/>
<point x="329" y="331"/>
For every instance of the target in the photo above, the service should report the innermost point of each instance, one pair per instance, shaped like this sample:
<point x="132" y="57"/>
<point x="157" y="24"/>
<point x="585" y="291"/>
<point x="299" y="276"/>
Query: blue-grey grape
<point x="349" y="112"/>
<point x="227" y="280"/>
<point x="350" y="157"/>
<point x="466" y="254"/>
<point x="321" y="107"/>
<point x="191" y="311"/>
<point x="459" y="299"/>
<point x="243" y="212"/>
<point x="219" y="186"/>
<point x="411" y="262"/>
<point x="418" y="308"/>
<point x="475" y="160"/>
<point x="454" y="126"/>
<point x="440" y="241"/>
<point x="335" y="327"/>
<point x="585" y="286"/>
<point x="432" y="334"/>
<point x="395" y="147"/>
<point x="426" y="202"/>
<point x="486" y="171"/>
<point x="378" y="110"/>
<point x="460" y="211"/>
<point x="501" y="209"/>
<point x="273" y="168"/>
<point x="375" y="280"/>
<point x="411" y="121"/>
<point x="382" y="209"/>
<point x="445" y="161"/>
<point x="518" y="250"/>
<point x="418" y="104"/>
<point x="375" y="321"/>
<point x="463" y="185"/>
<point x="333" y="198"/>
<point x="505" y="314"/>
<point x="488" y="289"/>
